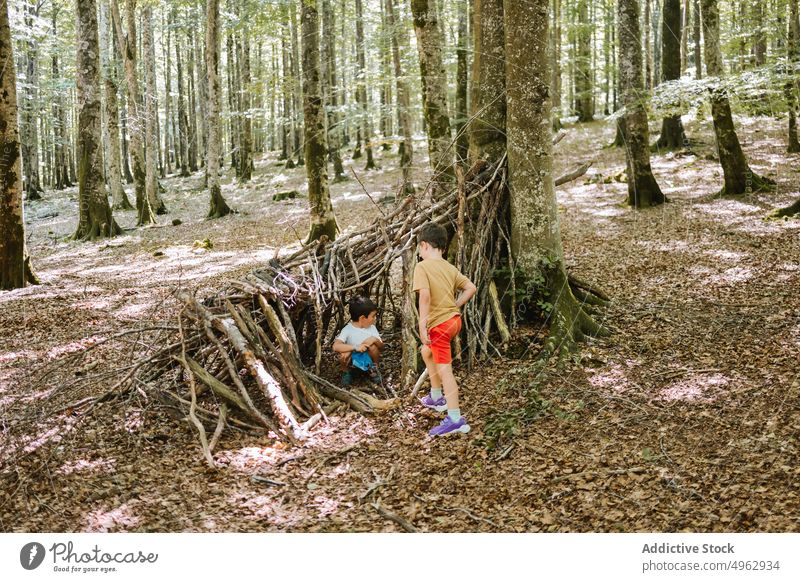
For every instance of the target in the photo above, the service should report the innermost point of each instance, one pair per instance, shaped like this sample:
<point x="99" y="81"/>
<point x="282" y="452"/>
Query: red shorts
<point x="441" y="336"/>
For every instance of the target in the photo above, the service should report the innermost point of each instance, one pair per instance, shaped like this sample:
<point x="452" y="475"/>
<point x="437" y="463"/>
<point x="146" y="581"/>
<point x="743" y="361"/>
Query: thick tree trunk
<point x="361" y="86"/>
<point x="402" y="92"/>
<point x="434" y="94"/>
<point x="15" y="269"/>
<point x="672" y="134"/>
<point x="739" y="178"/>
<point x="487" y="137"/>
<point x="536" y="238"/>
<point x="94" y="213"/>
<point x="218" y="207"/>
<point x="643" y="191"/>
<point x="323" y="221"/>
<point x="135" y="118"/>
<point x="331" y="89"/>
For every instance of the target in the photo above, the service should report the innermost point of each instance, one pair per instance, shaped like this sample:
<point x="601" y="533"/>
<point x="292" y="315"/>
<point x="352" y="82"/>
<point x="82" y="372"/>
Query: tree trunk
<point x="648" y="51"/>
<point x="361" y="86"/>
<point x="297" y="97"/>
<point x="151" y="115"/>
<point x="287" y="81"/>
<point x="760" y="41"/>
<point x="183" y="119"/>
<point x="487" y="137"/>
<point x="246" y="123"/>
<point x="739" y="178"/>
<point x="536" y="238"/>
<point x="201" y="104"/>
<point x="698" y="68"/>
<point x="119" y="198"/>
<point x="386" y="80"/>
<point x="168" y="134"/>
<point x="583" y="64"/>
<point x="233" y="134"/>
<point x="684" y="34"/>
<point x="29" y="118"/>
<point x="328" y="64"/>
<point x="672" y="134"/>
<point x="94" y="215"/>
<point x="402" y="92"/>
<point x="15" y="269"/>
<point x="434" y="94"/>
<point x="643" y="191"/>
<point x="790" y="88"/>
<point x="556" y="65"/>
<point x="60" y="141"/>
<point x="323" y="221"/>
<point x="127" y="43"/>
<point x="462" y="136"/>
<point x="218" y="206"/>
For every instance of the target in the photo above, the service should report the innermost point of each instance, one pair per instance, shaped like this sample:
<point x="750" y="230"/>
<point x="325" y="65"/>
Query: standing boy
<point x="442" y="291"/>
<point x="359" y="344"/>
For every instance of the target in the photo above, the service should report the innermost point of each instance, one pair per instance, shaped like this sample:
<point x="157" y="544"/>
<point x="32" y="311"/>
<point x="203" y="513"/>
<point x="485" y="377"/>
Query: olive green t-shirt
<point x="444" y="281"/>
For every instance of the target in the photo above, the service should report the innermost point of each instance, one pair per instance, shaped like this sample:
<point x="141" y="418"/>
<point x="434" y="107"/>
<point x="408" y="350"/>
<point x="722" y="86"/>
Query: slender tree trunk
<point x="536" y="238"/>
<point x="556" y="64"/>
<point x="201" y="104"/>
<point x="793" y="58"/>
<point x="183" y="119"/>
<point x="191" y="93"/>
<point x="323" y="221"/>
<point x="151" y="115"/>
<point x="15" y="269"/>
<point x="656" y="21"/>
<point x="168" y="134"/>
<point x="739" y="178"/>
<point x="583" y="64"/>
<point x="434" y="94"/>
<point x="402" y="93"/>
<point x="386" y="81"/>
<point x="94" y="217"/>
<point x="672" y="134"/>
<point x="462" y="136"/>
<point x="246" y="123"/>
<point x="331" y="89"/>
<point x="29" y="130"/>
<point x="361" y="86"/>
<point x="60" y="140"/>
<point x="648" y="51"/>
<point x="118" y="196"/>
<point x="135" y="117"/>
<point x="685" y="35"/>
<point x="760" y="44"/>
<point x="218" y="206"/>
<point x="233" y="134"/>
<point x="297" y="98"/>
<point x="643" y="191"/>
<point x="698" y="68"/>
<point x="487" y="136"/>
<point x="123" y="124"/>
<point x="288" y="81"/>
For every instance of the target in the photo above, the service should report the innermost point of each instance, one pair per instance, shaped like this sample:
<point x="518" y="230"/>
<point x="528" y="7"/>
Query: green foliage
<point x="504" y="425"/>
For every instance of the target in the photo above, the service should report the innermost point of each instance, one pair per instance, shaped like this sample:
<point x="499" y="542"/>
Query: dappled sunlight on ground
<point x="84" y="465"/>
<point x="120" y="518"/>
<point x="695" y="388"/>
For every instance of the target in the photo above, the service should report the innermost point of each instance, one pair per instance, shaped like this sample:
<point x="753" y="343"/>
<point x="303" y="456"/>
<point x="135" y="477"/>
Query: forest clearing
<point x="629" y="362"/>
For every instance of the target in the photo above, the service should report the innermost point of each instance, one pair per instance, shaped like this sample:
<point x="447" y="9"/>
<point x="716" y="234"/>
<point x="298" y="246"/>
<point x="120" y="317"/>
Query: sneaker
<point x="375" y="374"/>
<point x="347" y="378"/>
<point x="437" y="405"/>
<point x="449" y="426"/>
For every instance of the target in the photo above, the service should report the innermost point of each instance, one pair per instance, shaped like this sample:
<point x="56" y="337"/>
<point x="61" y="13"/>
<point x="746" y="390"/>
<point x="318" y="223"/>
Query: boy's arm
<point x="373" y="340"/>
<point x="424" y="312"/>
<point x="341" y="347"/>
<point x="468" y="290"/>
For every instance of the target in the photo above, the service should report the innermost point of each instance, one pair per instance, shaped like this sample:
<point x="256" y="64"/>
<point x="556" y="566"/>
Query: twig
<point x="395" y="518"/>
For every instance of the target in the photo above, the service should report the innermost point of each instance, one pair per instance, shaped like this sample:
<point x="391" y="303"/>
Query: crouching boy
<point x="359" y="344"/>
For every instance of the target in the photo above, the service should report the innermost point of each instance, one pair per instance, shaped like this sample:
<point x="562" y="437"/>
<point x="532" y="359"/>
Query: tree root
<point x="754" y="183"/>
<point x="791" y="211"/>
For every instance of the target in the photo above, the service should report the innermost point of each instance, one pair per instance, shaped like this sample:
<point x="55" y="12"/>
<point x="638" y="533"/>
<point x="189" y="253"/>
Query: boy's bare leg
<point x="445" y="372"/>
<point x="433" y="371"/>
<point x="344" y="361"/>
<point x="374" y="353"/>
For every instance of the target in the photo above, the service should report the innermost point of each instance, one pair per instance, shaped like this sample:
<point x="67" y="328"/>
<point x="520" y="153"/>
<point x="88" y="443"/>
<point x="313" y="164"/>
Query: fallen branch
<point x="574" y="174"/>
<point x="405" y="524"/>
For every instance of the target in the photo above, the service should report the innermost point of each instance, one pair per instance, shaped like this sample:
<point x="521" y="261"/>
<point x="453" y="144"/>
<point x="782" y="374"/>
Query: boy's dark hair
<point x="360" y="305"/>
<point x="433" y="234"/>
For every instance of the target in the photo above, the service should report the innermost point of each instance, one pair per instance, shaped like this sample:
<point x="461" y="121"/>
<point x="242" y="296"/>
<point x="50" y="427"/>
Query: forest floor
<point x="685" y="419"/>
